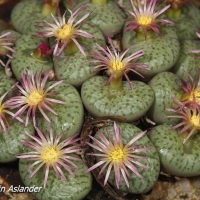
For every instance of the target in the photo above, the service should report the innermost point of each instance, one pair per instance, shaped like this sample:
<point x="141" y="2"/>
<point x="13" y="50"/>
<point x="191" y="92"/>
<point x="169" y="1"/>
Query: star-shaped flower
<point x="117" y="156"/>
<point x="50" y="153"/>
<point x="116" y="64"/>
<point x="35" y="96"/>
<point x="145" y="18"/>
<point x="189" y="118"/>
<point x="66" y="32"/>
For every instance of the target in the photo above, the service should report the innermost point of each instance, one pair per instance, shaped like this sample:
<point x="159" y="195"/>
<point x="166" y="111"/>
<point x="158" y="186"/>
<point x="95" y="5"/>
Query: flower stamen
<point x="194" y="120"/>
<point x="65" y="32"/>
<point x="34" y="98"/>
<point x="117" y="65"/>
<point x="117" y="155"/>
<point x="145" y="21"/>
<point x="50" y="155"/>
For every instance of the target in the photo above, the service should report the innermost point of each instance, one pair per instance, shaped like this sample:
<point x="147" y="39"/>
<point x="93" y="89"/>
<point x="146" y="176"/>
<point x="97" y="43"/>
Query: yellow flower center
<point x="145" y="21"/>
<point x="117" y="154"/>
<point x="195" y="119"/>
<point x="65" y="32"/>
<point x="50" y="155"/>
<point x="195" y="94"/>
<point x="34" y="98"/>
<point x="1" y="108"/>
<point x="117" y="65"/>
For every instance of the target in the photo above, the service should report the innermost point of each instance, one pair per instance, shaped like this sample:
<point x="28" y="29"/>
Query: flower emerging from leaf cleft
<point x="35" y="96"/>
<point x="145" y="17"/>
<point x="51" y="153"/>
<point x="116" y="64"/>
<point x="192" y="90"/>
<point x="117" y="156"/>
<point x="6" y="45"/>
<point x="189" y="116"/>
<point x="66" y="32"/>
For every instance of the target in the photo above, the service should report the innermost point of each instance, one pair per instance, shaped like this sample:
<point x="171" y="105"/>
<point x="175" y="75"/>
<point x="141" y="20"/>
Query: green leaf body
<point x="70" y="115"/>
<point x="5" y="84"/>
<point x="129" y="103"/>
<point x="187" y="61"/>
<point x="176" y="158"/>
<point x="107" y="17"/>
<point x="149" y="176"/>
<point x="26" y="14"/>
<point x="76" y="188"/>
<point x="160" y="52"/>
<point x="23" y="58"/>
<point x="77" y="68"/>
<point x="188" y="23"/>
<point x="11" y="144"/>
<point x="165" y="86"/>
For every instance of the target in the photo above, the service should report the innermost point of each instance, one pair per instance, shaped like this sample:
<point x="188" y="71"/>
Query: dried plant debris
<point x="10" y="180"/>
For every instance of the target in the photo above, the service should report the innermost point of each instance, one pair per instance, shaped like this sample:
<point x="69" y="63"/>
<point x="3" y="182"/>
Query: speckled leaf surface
<point x="31" y="24"/>
<point x="165" y="86"/>
<point x="77" y="68"/>
<point x="149" y="176"/>
<point x="193" y="12"/>
<point x="11" y="144"/>
<point x="70" y="115"/>
<point x="22" y="12"/>
<point x="76" y="188"/>
<point x="160" y="52"/>
<point x="176" y="158"/>
<point x="187" y="61"/>
<point x="100" y="101"/>
<point x="188" y="23"/>
<point x="5" y="84"/>
<point x="186" y="28"/>
<point x="23" y="59"/>
<point x="108" y="17"/>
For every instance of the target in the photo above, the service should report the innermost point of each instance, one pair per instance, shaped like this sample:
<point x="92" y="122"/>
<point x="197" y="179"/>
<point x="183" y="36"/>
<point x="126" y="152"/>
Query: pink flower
<point x="66" y="32"/>
<point x="51" y="153"/>
<point x="189" y="116"/>
<point x="192" y="90"/>
<point x="4" y="109"/>
<point x="35" y="96"/>
<point x="6" y="47"/>
<point x="116" y="64"/>
<point x="114" y="154"/>
<point x="144" y="17"/>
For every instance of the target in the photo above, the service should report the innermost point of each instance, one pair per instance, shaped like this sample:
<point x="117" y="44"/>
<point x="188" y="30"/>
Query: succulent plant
<point x="111" y="96"/>
<point x="105" y="71"/>
<point x="48" y="152"/>
<point x="125" y="157"/>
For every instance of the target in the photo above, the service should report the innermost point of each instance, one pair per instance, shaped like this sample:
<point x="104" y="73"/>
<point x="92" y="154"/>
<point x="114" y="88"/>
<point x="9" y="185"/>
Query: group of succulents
<point x="131" y="60"/>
